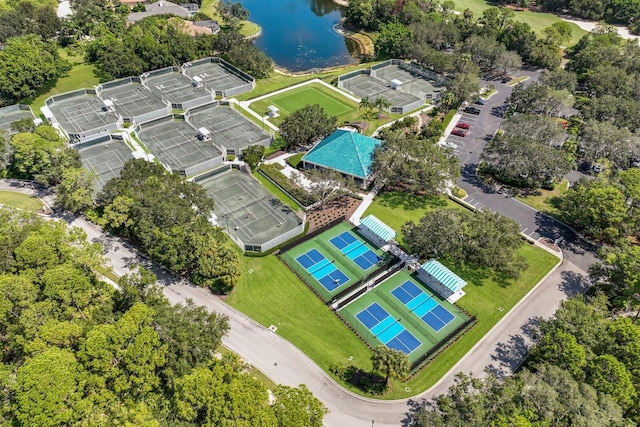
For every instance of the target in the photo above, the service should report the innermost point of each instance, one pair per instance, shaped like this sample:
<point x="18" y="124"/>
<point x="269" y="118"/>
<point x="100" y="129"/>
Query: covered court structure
<point x="133" y="101"/>
<point x="230" y="131"/>
<point x="177" y="88"/>
<point x="220" y="76"/>
<point x="254" y="219"/>
<point x="176" y="144"/>
<point x="405" y="85"/>
<point x="13" y="113"/>
<point x="105" y="157"/>
<point x="82" y="115"/>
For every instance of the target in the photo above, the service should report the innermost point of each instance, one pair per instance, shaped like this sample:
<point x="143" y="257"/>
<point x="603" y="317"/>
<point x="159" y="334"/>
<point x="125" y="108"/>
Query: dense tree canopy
<point x="169" y="219"/>
<point x="483" y="238"/>
<point x="414" y="164"/>
<point x="77" y="351"/>
<point x="26" y="65"/>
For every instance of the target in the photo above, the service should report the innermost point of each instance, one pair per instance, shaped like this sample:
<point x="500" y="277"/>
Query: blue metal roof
<point x="347" y="152"/>
<point x="443" y="275"/>
<point x="382" y="230"/>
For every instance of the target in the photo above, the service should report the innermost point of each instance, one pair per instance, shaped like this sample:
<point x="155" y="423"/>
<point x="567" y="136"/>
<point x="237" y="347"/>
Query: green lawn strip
<point x="272" y="295"/>
<point x="279" y="194"/>
<point x="248" y="28"/>
<point x="541" y="201"/>
<point x="20" y="201"/>
<point x="79" y="77"/>
<point x="517" y="80"/>
<point x="396" y="208"/>
<point x="279" y="81"/>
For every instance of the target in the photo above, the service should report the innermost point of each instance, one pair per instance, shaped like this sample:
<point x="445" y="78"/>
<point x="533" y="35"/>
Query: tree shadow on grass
<point x="409" y="201"/>
<point x="476" y="275"/>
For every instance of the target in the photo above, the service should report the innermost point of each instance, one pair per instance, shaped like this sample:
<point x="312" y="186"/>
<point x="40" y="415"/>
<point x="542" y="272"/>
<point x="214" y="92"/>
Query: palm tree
<point x="381" y="104"/>
<point x="366" y="105"/>
<point x="393" y="363"/>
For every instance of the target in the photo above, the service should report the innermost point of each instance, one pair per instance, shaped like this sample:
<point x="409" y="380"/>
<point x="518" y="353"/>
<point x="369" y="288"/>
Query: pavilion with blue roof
<point x="376" y="231"/>
<point x="349" y="153"/>
<point x="441" y="278"/>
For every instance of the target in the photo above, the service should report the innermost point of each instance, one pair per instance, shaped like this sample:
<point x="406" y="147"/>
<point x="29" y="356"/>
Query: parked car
<point x="450" y="144"/>
<point x="463" y="125"/>
<point x="472" y="110"/>
<point x="506" y="80"/>
<point x="597" y="168"/>
<point x="479" y="101"/>
<point x="460" y="132"/>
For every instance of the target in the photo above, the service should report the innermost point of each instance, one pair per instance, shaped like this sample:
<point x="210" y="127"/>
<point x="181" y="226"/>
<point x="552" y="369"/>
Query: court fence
<point x="250" y="82"/>
<point x="310" y="235"/>
<point x="247" y="246"/>
<point x="14" y="109"/>
<point x="389" y="268"/>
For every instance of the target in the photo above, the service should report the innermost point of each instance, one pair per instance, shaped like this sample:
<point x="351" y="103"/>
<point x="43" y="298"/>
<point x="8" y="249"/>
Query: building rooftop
<point x="348" y="152"/>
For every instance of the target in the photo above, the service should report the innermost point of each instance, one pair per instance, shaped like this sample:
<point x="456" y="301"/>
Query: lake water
<point x="299" y="34"/>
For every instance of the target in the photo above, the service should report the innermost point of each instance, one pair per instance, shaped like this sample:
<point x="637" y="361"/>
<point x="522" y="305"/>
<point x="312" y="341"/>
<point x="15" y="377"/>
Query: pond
<point x="299" y="34"/>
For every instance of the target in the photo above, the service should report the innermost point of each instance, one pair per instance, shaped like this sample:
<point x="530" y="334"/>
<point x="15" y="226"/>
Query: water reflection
<point x="299" y="35"/>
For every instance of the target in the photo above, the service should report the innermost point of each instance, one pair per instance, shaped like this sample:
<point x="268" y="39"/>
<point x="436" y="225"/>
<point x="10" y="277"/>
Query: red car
<point x="463" y="125"/>
<point x="460" y="132"/>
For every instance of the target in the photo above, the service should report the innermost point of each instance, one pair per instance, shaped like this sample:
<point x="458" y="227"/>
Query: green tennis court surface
<point x="328" y="269"/>
<point x="404" y="314"/>
<point x="298" y="98"/>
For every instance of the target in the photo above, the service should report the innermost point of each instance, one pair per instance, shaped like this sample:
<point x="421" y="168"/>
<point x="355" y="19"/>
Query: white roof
<point x="204" y="131"/>
<point x="273" y="108"/>
<point x="197" y="79"/>
<point x="396" y="82"/>
<point x="108" y="103"/>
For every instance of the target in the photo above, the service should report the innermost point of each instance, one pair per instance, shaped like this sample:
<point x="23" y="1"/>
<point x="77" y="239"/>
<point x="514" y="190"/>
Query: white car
<point x="450" y="144"/>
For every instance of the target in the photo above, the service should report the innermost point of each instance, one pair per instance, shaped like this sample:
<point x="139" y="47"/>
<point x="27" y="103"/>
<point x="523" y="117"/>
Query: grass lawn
<point x="542" y="201"/>
<point x="396" y="208"/>
<point x="288" y="102"/>
<point x="279" y="81"/>
<point x="537" y="20"/>
<point x="273" y="189"/>
<point x="20" y="200"/>
<point x="273" y="295"/>
<point x="80" y="76"/>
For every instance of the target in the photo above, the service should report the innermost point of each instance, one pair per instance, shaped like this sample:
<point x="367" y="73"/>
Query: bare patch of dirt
<point x="343" y="207"/>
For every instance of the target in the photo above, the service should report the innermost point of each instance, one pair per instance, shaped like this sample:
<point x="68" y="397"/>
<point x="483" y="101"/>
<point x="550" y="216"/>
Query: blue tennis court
<point x="322" y="269"/>
<point x="387" y="329"/>
<point x="356" y="250"/>
<point x="423" y="305"/>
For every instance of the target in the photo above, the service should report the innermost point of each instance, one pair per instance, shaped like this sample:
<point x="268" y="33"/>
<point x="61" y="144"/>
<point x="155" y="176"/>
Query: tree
<point x="222" y="394"/>
<point x="381" y="104"/>
<point x="394" y="363"/>
<point x="596" y="208"/>
<point x="327" y="185"/>
<point x="26" y="65"/>
<point x="483" y="238"/>
<point x="525" y="161"/>
<point x="366" y="105"/>
<point x="169" y="219"/>
<point x="48" y="389"/>
<point x="297" y="407"/>
<point x="561" y="349"/>
<point x="606" y="140"/>
<point x="76" y="188"/>
<point x="306" y="126"/>
<point x="394" y="41"/>
<point x="252" y="155"/>
<point x="413" y="164"/>
<point x="607" y="375"/>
